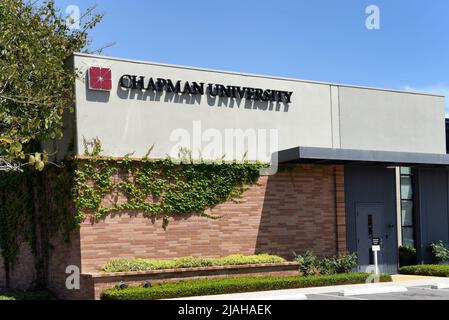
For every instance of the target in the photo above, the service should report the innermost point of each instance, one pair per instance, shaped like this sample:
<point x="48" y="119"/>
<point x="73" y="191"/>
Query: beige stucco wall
<point x="320" y="114"/>
<point x="391" y="121"/>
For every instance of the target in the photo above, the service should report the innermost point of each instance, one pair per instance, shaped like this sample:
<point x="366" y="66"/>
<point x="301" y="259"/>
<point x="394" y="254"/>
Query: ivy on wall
<point x="158" y="187"/>
<point x="33" y="206"/>
<point x="36" y="205"/>
<point x="15" y="215"/>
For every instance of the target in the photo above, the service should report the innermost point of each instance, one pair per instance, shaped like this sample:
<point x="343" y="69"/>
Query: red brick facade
<point x="289" y="212"/>
<point x="23" y="273"/>
<point x="340" y="209"/>
<point x="293" y="211"/>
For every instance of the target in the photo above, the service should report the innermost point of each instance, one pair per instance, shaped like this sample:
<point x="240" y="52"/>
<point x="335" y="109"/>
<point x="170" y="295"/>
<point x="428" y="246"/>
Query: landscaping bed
<point x="434" y="270"/>
<point x="127" y="265"/>
<point x="25" y="295"/>
<point x="98" y="282"/>
<point x="200" y="287"/>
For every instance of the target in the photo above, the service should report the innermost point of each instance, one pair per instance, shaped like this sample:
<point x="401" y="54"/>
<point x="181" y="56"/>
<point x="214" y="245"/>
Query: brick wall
<point x="63" y="255"/>
<point x="295" y="210"/>
<point x="103" y="281"/>
<point x="23" y="273"/>
<point x="340" y="209"/>
<point x="291" y="211"/>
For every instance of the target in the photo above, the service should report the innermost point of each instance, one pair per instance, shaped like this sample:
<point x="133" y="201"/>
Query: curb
<point x="249" y="296"/>
<point x="372" y="290"/>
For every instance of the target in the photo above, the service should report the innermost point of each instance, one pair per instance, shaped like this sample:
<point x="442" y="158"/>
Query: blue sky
<point x="322" y="40"/>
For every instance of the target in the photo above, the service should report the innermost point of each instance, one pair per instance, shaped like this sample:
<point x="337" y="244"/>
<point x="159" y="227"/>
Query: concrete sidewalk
<point x="301" y="293"/>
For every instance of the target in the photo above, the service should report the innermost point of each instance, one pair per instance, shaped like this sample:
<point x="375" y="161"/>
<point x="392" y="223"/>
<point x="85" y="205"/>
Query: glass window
<point x="406" y="188"/>
<point x="406" y="171"/>
<point x="406" y="185"/>
<point x="407" y="213"/>
<point x="407" y="237"/>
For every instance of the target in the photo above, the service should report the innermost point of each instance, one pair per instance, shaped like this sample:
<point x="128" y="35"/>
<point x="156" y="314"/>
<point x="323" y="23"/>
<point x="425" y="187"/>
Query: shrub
<point x="339" y="264"/>
<point x="122" y="265"/>
<point x="199" y="287"/>
<point x="25" y="295"/>
<point x="310" y="265"/>
<point x="407" y="256"/>
<point x="440" y="252"/>
<point x="426" y="270"/>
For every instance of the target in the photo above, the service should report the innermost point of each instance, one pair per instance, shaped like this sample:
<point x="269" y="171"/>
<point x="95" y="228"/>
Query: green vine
<point x="158" y="187"/>
<point x="34" y="205"/>
<point x="15" y="215"/>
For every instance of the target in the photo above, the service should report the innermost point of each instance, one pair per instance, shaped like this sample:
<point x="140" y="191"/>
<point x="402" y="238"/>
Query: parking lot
<point x="412" y="293"/>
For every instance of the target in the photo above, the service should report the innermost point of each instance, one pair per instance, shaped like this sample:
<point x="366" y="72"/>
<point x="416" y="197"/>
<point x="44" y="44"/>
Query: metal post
<point x="376" y="267"/>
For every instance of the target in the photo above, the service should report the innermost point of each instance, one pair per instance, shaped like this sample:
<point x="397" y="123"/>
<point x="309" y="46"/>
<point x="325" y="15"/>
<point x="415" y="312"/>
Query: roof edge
<point x="87" y="55"/>
<point x="334" y="155"/>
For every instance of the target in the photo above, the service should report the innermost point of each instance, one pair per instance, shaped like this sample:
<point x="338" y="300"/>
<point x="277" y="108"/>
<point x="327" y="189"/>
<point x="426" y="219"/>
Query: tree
<point x="35" y="82"/>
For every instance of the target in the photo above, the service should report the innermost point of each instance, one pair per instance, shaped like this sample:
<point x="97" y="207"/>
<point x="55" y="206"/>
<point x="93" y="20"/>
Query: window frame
<point x="409" y="174"/>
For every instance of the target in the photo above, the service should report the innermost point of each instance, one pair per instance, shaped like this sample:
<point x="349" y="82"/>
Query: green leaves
<point x="157" y="187"/>
<point x="311" y="265"/>
<point x="38" y="160"/>
<point x="440" y="252"/>
<point x="31" y="198"/>
<point x="127" y="265"/>
<point x="211" y="286"/>
<point x="35" y="83"/>
<point x="434" y="270"/>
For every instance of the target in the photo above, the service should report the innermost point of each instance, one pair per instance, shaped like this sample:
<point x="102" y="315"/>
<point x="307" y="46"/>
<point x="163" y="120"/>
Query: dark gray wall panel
<point x="372" y="185"/>
<point x="432" y="205"/>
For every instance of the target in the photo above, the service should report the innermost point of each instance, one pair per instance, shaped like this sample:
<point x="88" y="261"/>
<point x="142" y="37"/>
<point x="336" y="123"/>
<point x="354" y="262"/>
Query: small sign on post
<point x="375" y="247"/>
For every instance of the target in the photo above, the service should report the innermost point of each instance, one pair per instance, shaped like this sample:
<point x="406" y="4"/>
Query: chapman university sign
<point x="135" y="82"/>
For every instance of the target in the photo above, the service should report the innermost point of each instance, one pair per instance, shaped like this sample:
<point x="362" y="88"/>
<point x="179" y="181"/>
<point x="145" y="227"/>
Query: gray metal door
<point x="370" y="223"/>
<point x="372" y="189"/>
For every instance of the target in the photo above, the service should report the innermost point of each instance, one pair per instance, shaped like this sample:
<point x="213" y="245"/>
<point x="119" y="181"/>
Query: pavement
<point x="412" y="293"/>
<point x="403" y="287"/>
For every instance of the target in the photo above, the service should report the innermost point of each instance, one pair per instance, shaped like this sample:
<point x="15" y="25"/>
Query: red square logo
<point x="100" y="79"/>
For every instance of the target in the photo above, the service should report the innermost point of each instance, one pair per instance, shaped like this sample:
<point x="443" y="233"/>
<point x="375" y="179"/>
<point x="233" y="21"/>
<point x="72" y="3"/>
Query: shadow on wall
<point x="62" y="256"/>
<point x="292" y="211"/>
<point x="249" y="104"/>
<point x="299" y="213"/>
<point x="94" y="95"/>
<point x="151" y="217"/>
<point x="185" y="98"/>
<point x="63" y="260"/>
<point x="157" y="96"/>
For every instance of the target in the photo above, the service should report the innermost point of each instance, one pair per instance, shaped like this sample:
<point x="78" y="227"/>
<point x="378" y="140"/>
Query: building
<point x="364" y="162"/>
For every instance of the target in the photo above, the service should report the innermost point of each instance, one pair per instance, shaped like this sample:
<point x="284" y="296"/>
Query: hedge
<point x="407" y="256"/>
<point x="211" y="286"/>
<point x="123" y="265"/>
<point x="26" y="295"/>
<point x="435" y="270"/>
